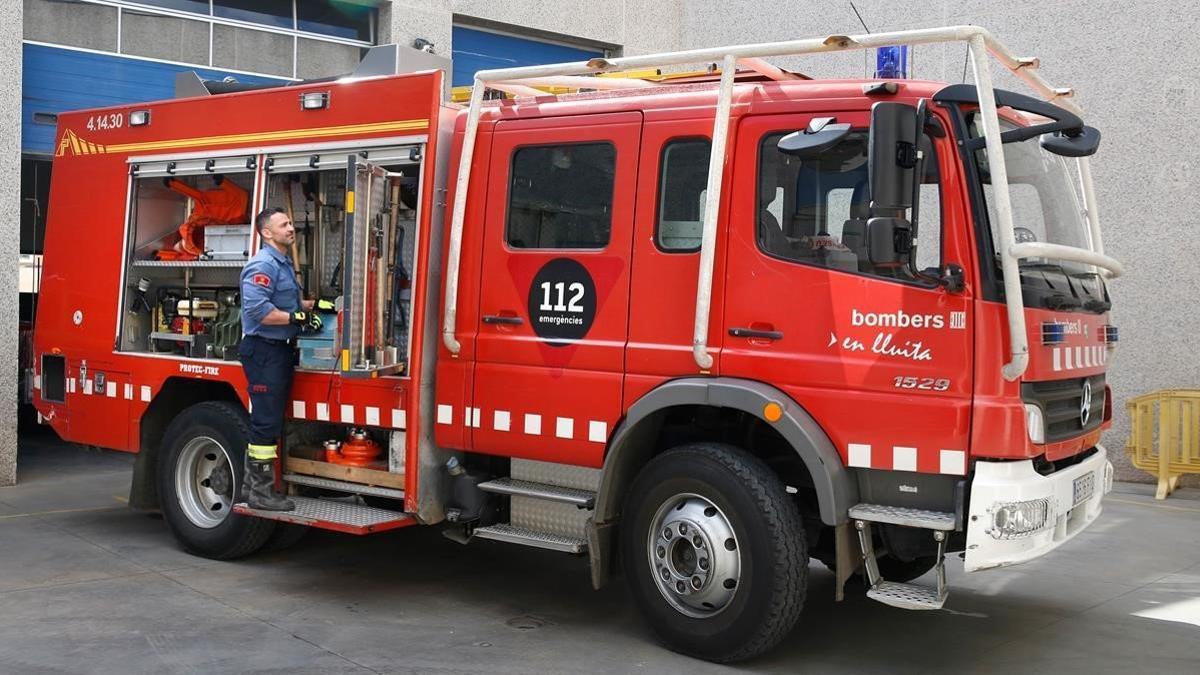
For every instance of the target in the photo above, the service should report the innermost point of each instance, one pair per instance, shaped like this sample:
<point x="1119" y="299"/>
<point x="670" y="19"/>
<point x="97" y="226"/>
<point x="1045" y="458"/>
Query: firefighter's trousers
<point x="269" y="365"/>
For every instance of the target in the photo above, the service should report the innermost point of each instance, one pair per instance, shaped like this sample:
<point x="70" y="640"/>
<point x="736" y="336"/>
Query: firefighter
<point x="273" y="312"/>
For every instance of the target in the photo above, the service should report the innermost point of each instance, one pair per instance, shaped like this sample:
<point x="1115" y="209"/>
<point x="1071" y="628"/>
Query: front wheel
<point x="714" y="551"/>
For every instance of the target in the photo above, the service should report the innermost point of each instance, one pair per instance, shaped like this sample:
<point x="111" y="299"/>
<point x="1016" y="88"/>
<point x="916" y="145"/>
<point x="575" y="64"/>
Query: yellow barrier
<point x="1165" y="440"/>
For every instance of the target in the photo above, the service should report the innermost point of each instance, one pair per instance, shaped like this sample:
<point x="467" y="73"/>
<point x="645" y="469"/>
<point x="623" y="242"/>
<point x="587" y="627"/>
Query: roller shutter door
<point x="476" y="50"/>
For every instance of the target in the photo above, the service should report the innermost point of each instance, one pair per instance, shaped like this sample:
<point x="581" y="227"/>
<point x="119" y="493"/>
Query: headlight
<point x="1013" y="520"/>
<point x="1034" y="423"/>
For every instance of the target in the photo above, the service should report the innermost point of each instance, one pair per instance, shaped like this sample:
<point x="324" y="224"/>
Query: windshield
<point x="1046" y="208"/>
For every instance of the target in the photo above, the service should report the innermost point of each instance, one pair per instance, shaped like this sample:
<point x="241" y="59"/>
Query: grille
<point x="1061" y="402"/>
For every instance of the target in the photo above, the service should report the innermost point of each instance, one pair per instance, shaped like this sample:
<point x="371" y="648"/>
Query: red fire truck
<point x="701" y="328"/>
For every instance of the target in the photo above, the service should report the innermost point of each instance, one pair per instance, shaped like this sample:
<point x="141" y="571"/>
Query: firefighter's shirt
<point x="268" y="282"/>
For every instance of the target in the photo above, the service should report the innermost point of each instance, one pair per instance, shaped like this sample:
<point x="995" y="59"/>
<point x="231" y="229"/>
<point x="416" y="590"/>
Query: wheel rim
<point x="694" y="556"/>
<point x="204" y="482"/>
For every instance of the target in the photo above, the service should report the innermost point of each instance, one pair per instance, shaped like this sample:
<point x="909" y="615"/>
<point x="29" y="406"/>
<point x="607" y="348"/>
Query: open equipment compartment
<point x="334" y="231"/>
<point x="189" y="235"/>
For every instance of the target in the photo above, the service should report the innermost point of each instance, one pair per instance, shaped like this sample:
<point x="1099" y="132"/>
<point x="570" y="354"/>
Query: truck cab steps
<point x="526" y="537"/>
<point x="340" y="516"/>
<point x="907" y="596"/>
<point x="548" y="506"/>
<point x="342" y="486"/>
<point x="895" y="594"/>
<point x="584" y="499"/>
<point x="906" y="517"/>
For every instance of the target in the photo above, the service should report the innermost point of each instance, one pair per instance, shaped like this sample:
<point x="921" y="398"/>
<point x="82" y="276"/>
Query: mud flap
<point x="847" y="556"/>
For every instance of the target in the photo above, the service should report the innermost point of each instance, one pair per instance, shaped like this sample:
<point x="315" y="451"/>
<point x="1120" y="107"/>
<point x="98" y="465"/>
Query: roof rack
<point x="981" y="43"/>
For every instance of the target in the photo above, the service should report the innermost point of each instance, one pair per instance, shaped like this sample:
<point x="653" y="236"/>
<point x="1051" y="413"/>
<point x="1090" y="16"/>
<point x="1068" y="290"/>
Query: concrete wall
<point x="1137" y="87"/>
<point x="10" y="229"/>
<point x="627" y="25"/>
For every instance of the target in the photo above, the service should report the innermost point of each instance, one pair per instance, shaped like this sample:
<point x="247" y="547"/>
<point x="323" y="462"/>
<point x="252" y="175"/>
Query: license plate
<point x="1084" y="487"/>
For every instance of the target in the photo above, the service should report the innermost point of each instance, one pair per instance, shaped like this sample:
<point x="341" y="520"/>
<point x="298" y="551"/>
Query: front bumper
<point x="1006" y="483"/>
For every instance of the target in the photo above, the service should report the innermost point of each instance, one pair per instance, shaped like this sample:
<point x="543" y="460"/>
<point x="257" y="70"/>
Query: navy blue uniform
<point x="267" y="355"/>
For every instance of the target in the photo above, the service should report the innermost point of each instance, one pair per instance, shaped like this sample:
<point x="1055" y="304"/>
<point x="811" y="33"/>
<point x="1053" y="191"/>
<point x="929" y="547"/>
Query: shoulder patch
<point x="261" y="280"/>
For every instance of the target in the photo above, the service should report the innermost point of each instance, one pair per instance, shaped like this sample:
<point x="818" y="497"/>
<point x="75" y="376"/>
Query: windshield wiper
<point x="1061" y="301"/>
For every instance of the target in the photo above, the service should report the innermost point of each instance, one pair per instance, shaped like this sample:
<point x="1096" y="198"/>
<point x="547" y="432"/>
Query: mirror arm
<point x="1025" y="133"/>
<point x="951" y="278"/>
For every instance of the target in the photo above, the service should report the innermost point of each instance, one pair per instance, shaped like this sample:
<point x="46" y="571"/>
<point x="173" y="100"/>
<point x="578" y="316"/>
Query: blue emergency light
<point x="1110" y="335"/>
<point x="891" y="63"/>
<point x="1054" y="333"/>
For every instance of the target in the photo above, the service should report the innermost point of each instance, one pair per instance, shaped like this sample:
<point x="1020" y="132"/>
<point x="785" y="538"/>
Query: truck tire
<point x="714" y="551"/>
<point x="199" y="474"/>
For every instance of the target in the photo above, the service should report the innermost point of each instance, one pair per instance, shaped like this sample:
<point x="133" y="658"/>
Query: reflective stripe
<point x="261" y="451"/>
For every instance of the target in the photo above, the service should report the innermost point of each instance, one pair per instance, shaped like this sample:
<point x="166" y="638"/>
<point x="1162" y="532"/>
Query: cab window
<point x="561" y="196"/>
<point x="815" y="211"/>
<point x="682" y="187"/>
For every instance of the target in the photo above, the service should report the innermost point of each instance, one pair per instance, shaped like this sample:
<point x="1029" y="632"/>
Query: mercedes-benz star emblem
<point x="1085" y="404"/>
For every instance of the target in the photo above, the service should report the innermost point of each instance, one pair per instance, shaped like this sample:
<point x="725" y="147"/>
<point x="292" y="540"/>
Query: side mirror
<point x="889" y="242"/>
<point x="892" y="153"/>
<point x="820" y="136"/>
<point x="1082" y="144"/>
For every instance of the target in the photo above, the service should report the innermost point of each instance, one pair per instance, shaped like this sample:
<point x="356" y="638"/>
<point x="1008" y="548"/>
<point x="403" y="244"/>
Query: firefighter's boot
<point x="259" y="485"/>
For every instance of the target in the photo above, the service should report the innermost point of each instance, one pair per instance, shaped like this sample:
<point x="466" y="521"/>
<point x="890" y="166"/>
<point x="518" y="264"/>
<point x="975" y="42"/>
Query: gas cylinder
<point x="357" y="450"/>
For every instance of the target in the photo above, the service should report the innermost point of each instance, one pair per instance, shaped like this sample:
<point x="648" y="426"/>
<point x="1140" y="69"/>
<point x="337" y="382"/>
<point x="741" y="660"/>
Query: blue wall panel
<point x="476" y="50"/>
<point x="55" y="79"/>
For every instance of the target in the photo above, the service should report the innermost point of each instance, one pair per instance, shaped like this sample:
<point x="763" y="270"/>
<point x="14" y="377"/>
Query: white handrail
<point x="712" y="205"/>
<point x="980" y="42"/>
<point x="1041" y="249"/>
<point x="454" y="254"/>
<point x="1015" y="304"/>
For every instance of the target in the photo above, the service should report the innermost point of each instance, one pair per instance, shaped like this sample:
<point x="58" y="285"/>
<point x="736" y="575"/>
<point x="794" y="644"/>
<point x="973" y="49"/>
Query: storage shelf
<point x="174" y="337"/>
<point x="227" y="264"/>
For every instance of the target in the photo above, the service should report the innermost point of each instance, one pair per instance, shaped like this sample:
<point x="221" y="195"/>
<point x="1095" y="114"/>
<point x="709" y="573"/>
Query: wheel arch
<point x="176" y="395"/>
<point x="633" y="444"/>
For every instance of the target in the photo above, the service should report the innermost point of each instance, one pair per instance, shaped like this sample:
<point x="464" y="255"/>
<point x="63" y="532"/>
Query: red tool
<point x="358" y="450"/>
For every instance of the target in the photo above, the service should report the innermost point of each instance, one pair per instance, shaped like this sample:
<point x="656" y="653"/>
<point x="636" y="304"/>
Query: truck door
<point x="554" y="296"/>
<point x="881" y="359"/>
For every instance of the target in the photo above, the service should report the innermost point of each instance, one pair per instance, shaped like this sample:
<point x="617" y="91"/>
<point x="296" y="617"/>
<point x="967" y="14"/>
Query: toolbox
<point x="227" y="242"/>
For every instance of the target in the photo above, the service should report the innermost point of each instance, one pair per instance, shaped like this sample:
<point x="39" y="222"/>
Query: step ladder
<point x="339" y="514"/>
<point x="538" y="538"/>
<point x="903" y="595"/>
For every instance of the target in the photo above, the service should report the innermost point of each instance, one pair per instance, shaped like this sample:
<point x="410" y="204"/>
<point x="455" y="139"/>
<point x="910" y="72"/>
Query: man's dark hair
<point x="264" y="216"/>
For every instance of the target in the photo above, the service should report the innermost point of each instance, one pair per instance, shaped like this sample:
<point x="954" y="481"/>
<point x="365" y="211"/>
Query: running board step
<point x="333" y="515"/>
<point x="899" y="515"/>
<point x="520" y="535"/>
<point x="584" y="499"/>
<point x="907" y="596"/>
<point x="342" y="486"/>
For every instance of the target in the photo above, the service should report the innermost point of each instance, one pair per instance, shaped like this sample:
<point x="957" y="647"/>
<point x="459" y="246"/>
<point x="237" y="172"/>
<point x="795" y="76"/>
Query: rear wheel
<point x="199" y="476"/>
<point x="714" y="551"/>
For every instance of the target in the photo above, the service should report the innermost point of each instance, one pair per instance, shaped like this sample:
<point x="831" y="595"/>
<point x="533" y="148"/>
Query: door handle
<point x="755" y="333"/>
<point x="505" y="320"/>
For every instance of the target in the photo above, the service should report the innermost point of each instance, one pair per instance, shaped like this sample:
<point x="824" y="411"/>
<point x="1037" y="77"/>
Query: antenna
<point x="860" y="19"/>
<point x="866" y="54"/>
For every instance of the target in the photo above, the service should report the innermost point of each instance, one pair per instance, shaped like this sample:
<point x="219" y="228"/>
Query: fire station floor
<point x="87" y="586"/>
